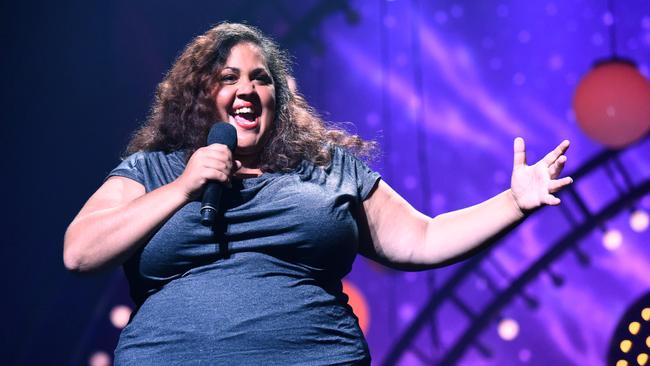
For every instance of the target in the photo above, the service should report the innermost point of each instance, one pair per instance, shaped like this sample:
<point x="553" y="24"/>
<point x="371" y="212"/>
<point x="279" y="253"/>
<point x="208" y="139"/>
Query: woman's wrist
<point x="516" y="210"/>
<point x="177" y="190"/>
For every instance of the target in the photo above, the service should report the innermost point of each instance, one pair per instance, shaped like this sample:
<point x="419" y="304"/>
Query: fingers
<point x="551" y="157"/>
<point x="208" y="163"/>
<point x="556" y="168"/>
<point x="520" y="152"/>
<point x="214" y="162"/>
<point x="216" y="175"/>
<point x="557" y="184"/>
<point x="552" y="200"/>
<point x="219" y="150"/>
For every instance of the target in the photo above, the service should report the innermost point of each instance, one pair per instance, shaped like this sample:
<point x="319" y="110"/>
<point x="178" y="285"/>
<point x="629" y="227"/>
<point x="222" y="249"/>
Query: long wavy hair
<point x="184" y="108"/>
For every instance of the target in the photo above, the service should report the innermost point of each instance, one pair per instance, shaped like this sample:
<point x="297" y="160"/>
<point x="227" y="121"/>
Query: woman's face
<point x="245" y="96"/>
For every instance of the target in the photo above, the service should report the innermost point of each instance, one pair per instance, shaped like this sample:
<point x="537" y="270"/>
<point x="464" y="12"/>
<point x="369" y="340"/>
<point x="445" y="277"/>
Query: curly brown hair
<point x="184" y="108"/>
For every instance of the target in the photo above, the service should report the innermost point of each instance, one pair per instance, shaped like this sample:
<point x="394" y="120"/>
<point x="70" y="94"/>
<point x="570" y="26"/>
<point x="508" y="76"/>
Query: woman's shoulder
<point x="345" y="158"/>
<point x="151" y="168"/>
<point x="154" y="154"/>
<point x="144" y="158"/>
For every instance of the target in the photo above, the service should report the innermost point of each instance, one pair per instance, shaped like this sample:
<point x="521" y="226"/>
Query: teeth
<point x="244" y="110"/>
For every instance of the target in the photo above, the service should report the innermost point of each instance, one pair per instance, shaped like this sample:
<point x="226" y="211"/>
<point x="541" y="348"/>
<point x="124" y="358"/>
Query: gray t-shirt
<point x="262" y="287"/>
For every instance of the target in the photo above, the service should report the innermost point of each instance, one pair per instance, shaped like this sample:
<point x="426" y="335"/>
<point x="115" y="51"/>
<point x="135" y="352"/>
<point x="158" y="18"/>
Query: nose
<point x="246" y="88"/>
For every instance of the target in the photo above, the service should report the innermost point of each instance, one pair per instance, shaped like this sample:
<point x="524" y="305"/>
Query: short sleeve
<point x="131" y="167"/>
<point x="364" y="177"/>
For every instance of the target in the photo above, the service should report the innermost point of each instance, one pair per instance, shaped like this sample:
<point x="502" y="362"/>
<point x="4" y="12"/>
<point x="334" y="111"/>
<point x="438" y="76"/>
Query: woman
<point x="263" y="286"/>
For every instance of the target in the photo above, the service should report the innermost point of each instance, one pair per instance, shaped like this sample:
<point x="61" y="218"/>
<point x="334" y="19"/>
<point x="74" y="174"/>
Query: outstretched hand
<point x="533" y="185"/>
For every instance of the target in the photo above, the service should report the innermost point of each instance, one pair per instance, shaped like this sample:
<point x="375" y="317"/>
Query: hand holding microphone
<point x="224" y="134"/>
<point x="210" y="168"/>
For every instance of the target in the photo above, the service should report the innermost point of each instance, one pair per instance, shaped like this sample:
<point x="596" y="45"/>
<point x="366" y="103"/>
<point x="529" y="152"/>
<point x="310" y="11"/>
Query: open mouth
<point x="245" y="117"/>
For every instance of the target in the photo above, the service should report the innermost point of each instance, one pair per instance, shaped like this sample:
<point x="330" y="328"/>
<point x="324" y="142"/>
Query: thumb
<point x="237" y="164"/>
<point x="520" y="152"/>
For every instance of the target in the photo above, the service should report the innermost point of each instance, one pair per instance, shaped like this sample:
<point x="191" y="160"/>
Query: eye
<point x="228" y="78"/>
<point x="263" y="78"/>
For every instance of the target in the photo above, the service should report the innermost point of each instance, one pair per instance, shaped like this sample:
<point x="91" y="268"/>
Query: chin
<point x="247" y="149"/>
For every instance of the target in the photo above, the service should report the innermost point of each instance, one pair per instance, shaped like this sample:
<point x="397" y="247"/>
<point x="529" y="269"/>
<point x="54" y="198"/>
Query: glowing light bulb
<point x="642" y="359"/>
<point x="634" y="327"/>
<point x="626" y="344"/>
<point x="508" y="329"/>
<point x="645" y="314"/>
<point x="612" y="239"/>
<point x="621" y="363"/>
<point x="120" y="316"/>
<point x="639" y="220"/>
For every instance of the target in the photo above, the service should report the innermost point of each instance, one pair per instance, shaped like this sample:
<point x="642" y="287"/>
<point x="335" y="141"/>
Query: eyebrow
<point x="235" y="69"/>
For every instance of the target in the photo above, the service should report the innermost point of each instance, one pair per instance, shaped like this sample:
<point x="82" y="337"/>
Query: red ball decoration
<point x="612" y="103"/>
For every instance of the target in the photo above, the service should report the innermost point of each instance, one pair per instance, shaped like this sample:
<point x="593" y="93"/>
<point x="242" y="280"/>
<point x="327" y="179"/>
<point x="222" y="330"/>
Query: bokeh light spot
<point x="410" y="182"/>
<point x="524" y="36"/>
<point x="639" y="220"/>
<point x="612" y="239"/>
<point x="359" y="305"/>
<point x="406" y="312"/>
<point x="120" y="316"/>
<point x="440" y="17"/>
<point x="519" y="78"/>
<point x="626" y="344"/>
<point x="608" y="19"/>
<point x="99" y="358"/>
<point x="597" y="39"/>
<point x="551" y="9"/>
<point x="645" y="314"/>
<point x="457" y="11"/>
<point x="508" y="329"/>
<point x="555" y="62"/>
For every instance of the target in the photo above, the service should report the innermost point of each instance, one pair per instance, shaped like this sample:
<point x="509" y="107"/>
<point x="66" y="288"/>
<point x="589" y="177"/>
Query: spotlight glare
<point x="639" y="220"/>
<point x="508" y="329"/>
<point x="612" y="239"/>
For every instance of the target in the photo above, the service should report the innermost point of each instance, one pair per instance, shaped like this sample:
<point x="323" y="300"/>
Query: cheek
<point x="221" y="102"/>
<point x="271" y="99"/>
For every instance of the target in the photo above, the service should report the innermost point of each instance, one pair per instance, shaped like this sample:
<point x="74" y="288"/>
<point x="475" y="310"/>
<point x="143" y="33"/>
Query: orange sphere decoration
<point x="358" y="304"/>
<point x="612" y="103"/>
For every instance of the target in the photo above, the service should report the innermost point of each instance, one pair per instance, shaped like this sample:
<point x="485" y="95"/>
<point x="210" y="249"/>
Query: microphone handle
<point x="210" y="203"/>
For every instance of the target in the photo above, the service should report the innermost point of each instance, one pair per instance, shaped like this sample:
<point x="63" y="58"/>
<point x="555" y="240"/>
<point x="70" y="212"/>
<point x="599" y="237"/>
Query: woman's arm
<point x="114" y="222"/>
<point x="405" y="238"/>
<point x="120" y="216"/>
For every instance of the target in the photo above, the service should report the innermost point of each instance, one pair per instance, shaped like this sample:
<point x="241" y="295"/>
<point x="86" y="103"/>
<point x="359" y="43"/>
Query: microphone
<point x="220" y="133"/>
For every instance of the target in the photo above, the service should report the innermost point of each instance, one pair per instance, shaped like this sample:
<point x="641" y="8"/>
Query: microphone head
<point x="223" y="133"/>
